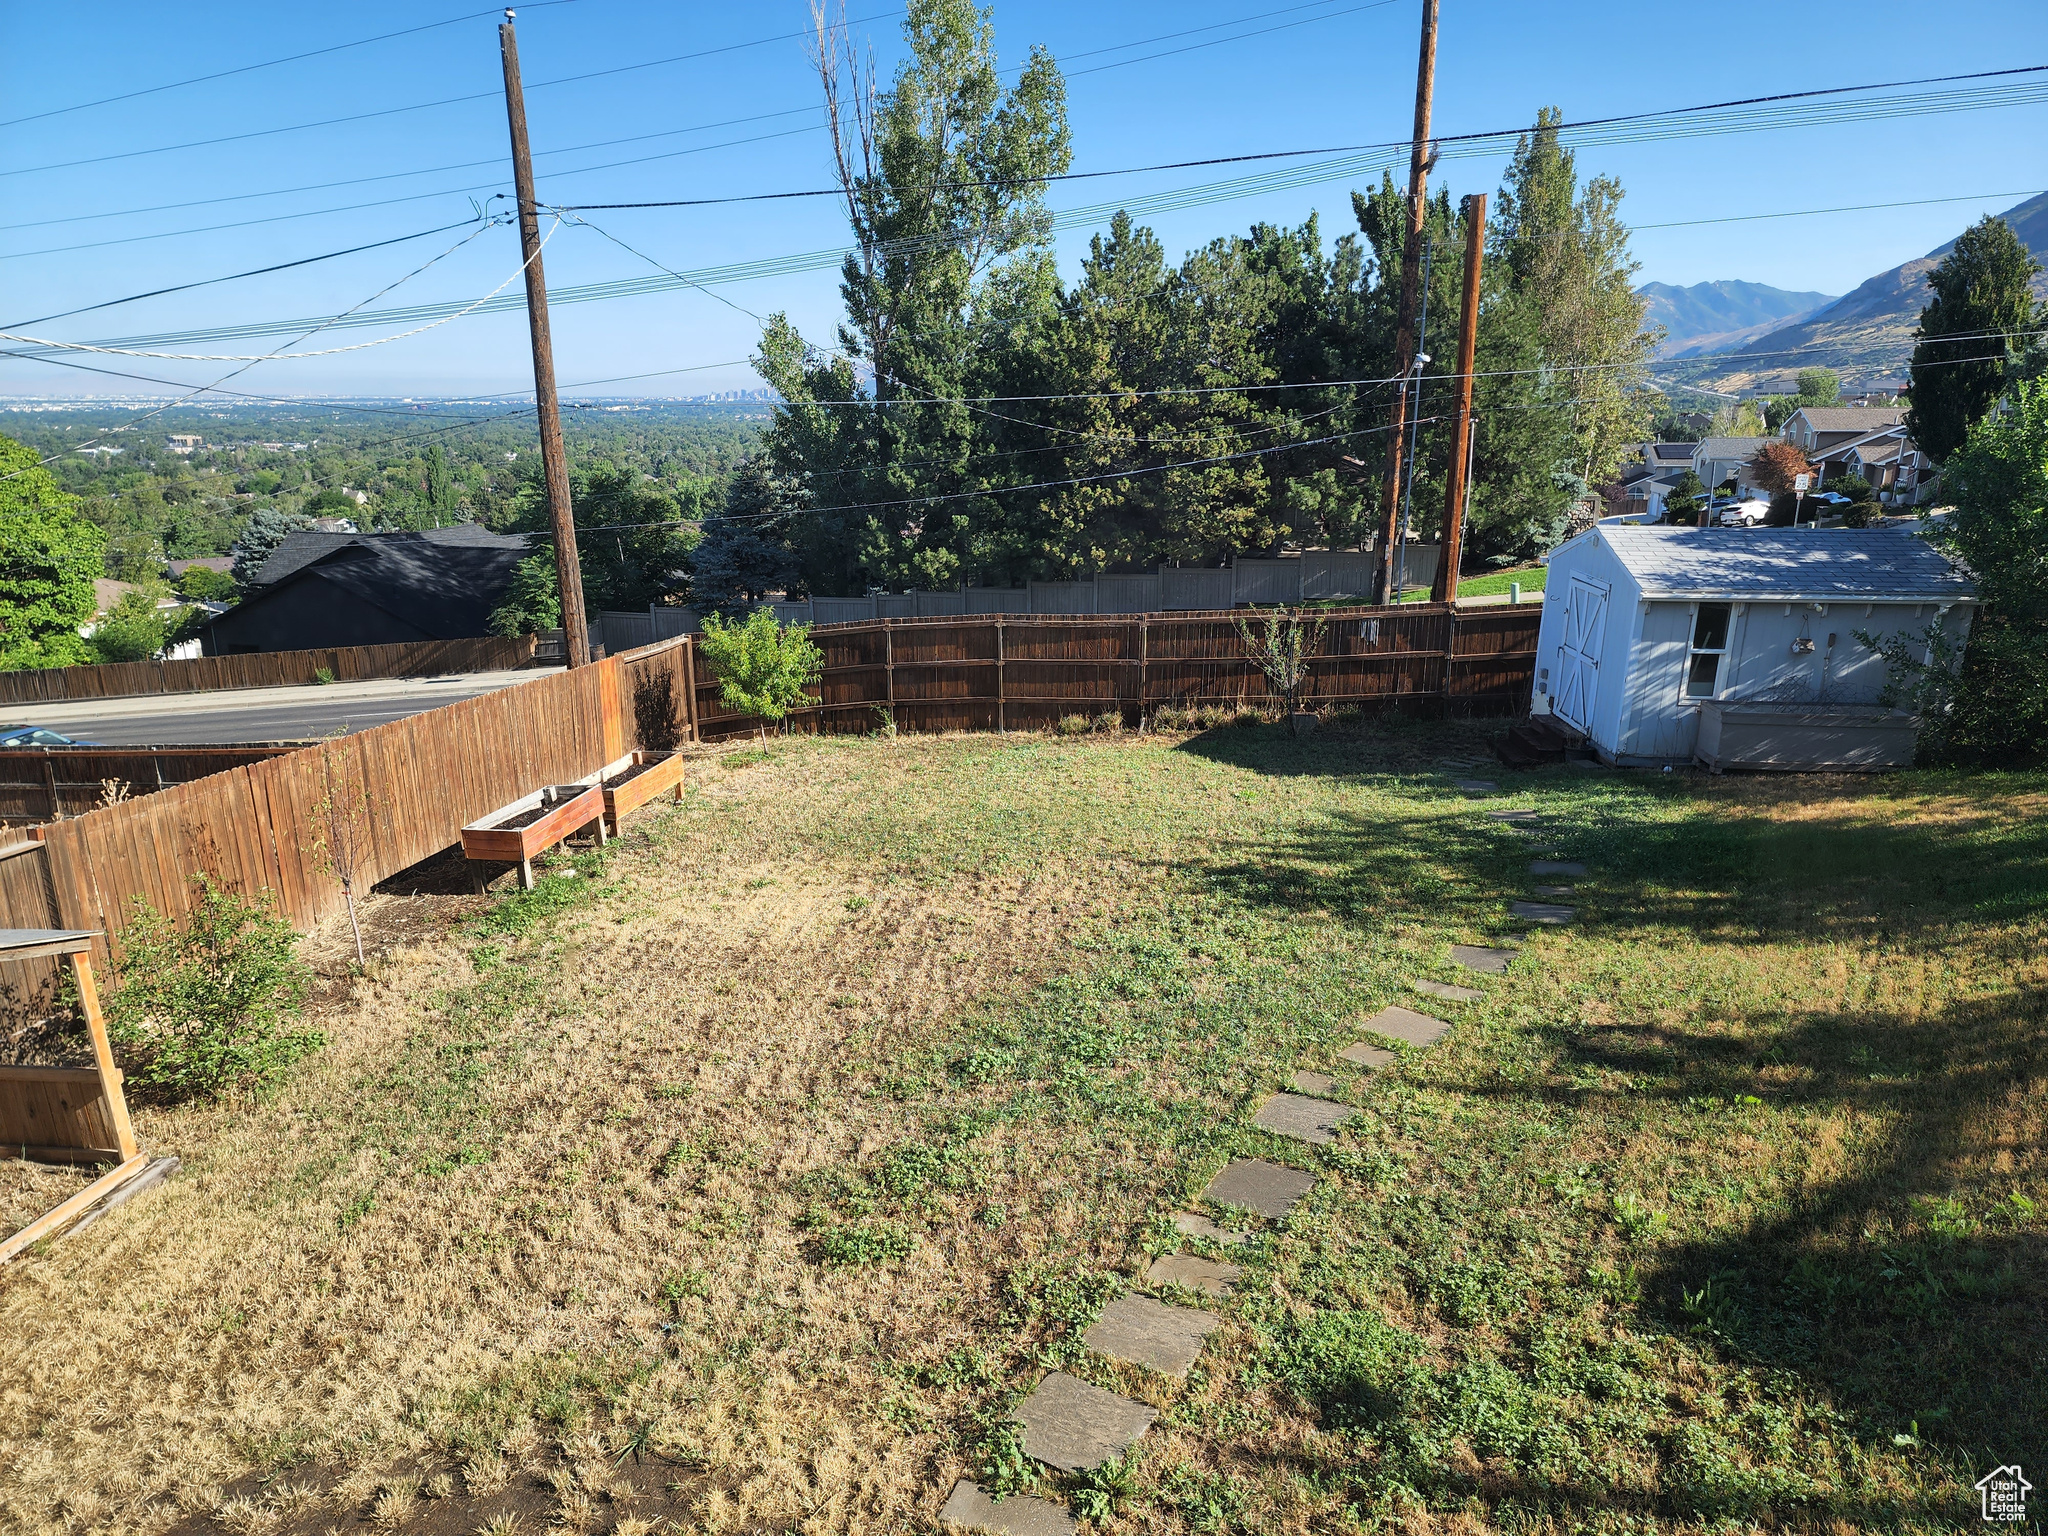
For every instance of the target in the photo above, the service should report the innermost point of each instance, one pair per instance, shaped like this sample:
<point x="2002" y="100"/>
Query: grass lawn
<point x="745" y="1182"/>
<point x="1496" y="583"/>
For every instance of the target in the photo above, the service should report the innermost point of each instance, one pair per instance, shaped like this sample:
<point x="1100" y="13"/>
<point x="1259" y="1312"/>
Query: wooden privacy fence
<point x="49" y="783"/>
<point x="267" y="669"/>
<point x="1011" y="673"/>
<point x="419" y="780"/>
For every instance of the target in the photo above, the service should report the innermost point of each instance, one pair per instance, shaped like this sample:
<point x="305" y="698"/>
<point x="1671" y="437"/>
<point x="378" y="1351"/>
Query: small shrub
<point x="1072" y="725"/>
<point x="1109" y="721"/>
<point x="859" y="1243"/>
<point x="763" y="669"/>
<point x="208" y="1009"/>
<point x="323" y="675"/>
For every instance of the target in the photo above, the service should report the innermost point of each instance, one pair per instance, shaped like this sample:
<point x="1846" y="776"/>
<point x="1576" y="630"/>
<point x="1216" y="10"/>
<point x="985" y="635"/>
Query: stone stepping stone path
<point x="1545" y="912"/>
<point x="1408" y="1025"/>
<point x="1140" y="1331"/>
<point x="1513" y="815"/>
<point x="1321" y="1084"/>
<point x="969" y="1509"/>
<point x="1477" y="786"/>
<point x="1477" y="957"/>
<point x="1369" y="1057"/>
<point x="1553" y="890"/>
<point x="1204" y="1275"/>
<point x="1269" y="1189"/>
<point x="1445" y="989"/>
<point x="1193" y="1224"/>
<point x="1075" y="1427"/>
<point x="1302" y="1118"/>
<point x="1558" y="867"/>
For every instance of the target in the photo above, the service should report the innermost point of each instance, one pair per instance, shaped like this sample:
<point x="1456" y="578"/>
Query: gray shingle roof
<point x="1851" y="418"/>
<point x="1766" y="564"/>
<point x="295" y="551"/>
<point x="1729" y="447"/>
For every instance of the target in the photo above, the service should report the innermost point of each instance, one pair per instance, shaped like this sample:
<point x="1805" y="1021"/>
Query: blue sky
<point x="1332" y="74"/>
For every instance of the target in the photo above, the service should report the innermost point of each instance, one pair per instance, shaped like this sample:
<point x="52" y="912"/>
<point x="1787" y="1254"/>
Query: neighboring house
<point x="1716" y="459"/>
<point x="1641" y="625"/>
<point x="225" y="564"/>
<point x="1818" y="428"/>
<point x="309" y="544"/>
<point x="372" y="589"/>
<point x="1889" y="461"/>
<point x="184" y="442"/>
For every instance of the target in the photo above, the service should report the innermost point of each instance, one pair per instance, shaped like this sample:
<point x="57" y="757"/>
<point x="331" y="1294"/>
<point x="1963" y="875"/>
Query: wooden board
<point x="515" y="845"/>
<point x="51" y="1220"/>
<point x="665" y="776"/>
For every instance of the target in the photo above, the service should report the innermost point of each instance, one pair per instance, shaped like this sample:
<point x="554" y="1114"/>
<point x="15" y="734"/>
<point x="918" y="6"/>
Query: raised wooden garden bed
<point x="515" y="833"/>
<point x="642" y="777"/>
<point x="66" y="1114"/>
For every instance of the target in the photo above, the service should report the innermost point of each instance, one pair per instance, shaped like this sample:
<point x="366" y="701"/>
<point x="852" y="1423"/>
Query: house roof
<point x="1727" y="447"/>
<point x="1850" y="418"/>
<point x="297" y="550"/>
<point x="445" y="589"/>
<point x="1785" y="564"/>
<point x="1670" y="453"/>
<point x="1878" y="448"/>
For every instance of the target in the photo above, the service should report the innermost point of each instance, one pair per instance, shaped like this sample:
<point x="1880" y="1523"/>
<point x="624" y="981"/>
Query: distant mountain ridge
<point x="1720" y="316"/>
<point x="1867" y="334"/>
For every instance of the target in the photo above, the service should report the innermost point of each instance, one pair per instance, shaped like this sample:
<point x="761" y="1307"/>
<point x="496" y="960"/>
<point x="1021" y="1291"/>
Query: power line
<point x="243" y="69"/>
<point x="418" y="106"/>
<point x="282" y="266"/>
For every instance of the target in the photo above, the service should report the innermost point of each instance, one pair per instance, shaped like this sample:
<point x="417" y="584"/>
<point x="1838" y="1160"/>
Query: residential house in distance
<point x="1903" y="475"/>
<point x="1817" y="428"/>
<point x="322" y="589"/>
<point x="1717" y="460"/>
<point x="184" y="442"/>
<point x="1654" y="475"/>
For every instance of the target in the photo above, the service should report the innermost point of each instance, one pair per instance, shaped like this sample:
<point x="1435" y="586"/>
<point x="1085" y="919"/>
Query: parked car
<point x="1829" y="498"/>
<point x="1741" y="514"/>
<point x="36" y="736"/>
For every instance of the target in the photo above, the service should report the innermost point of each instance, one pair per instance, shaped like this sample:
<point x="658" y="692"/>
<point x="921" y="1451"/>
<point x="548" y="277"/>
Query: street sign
<point x="1801" y="482"/>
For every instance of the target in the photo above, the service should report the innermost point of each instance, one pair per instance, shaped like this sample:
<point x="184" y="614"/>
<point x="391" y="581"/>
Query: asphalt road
<point x="304" y="713"/>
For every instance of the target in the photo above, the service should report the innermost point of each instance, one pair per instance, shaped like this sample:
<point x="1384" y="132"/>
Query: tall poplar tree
<point x="1971" y="335"/>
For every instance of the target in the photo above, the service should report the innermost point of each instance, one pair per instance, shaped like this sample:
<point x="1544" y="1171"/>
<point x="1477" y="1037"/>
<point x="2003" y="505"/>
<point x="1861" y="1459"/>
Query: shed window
<point x="1709" y="645"/>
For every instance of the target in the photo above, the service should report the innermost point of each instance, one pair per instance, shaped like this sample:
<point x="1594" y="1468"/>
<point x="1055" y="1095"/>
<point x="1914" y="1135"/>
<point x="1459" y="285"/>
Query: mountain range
<point x="1718" y="317"/>
<point x="1866" y="335"/>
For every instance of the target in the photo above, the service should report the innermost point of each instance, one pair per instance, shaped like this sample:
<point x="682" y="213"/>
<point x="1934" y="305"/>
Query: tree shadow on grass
<point x="1902" y="1281"/>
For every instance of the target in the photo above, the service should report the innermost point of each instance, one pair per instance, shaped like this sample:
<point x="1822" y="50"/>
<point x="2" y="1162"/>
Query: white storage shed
<point x="1642" y="625"/>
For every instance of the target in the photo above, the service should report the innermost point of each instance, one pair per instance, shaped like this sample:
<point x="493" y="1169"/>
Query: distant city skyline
<point x="1294" y="76"/>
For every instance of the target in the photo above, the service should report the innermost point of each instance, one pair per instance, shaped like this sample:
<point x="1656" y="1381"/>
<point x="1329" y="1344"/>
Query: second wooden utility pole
<point x="1406" y="343"/>
<point x="1445" y="588"/>
<point x="561" y="516"/>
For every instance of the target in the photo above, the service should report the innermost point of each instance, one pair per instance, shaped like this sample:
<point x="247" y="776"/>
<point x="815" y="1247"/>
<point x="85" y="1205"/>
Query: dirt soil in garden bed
<point x="744" y="1181"/>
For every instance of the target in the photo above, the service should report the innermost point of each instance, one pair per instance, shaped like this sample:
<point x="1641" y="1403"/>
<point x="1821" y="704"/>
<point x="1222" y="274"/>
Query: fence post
<point x="50" y="780"/>
<point x="690" y="685"/>
<point x="889" y="663"/>
<point x="1144" y="657"/>
<point x="1002" y="709"/>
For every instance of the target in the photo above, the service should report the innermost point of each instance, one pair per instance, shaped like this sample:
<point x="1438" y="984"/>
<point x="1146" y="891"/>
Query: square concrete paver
<point x="969" y="1509"/>
<point x="1195" y="1224"/>
<point x="1406" y="1024"/>
<point x="1075" y="1427"/>
<point x="1445" y="989"/>
<point x="1370" y="1057"/>
<point x="1320" y="1084"/>
<point x="1302" y="1117"/>
<point x="1141" y="1331"/>
<point x="1543" y="912"/>
<point x="1557" y="867"/>
<point x="1204" y="1275"/>
<point x="1477" y="786"/>
<point x="1513" y="815"/>
<point x="1475" y="957"/>
<point x="1271" y="1189"/>
<point x="1553" y="890"/>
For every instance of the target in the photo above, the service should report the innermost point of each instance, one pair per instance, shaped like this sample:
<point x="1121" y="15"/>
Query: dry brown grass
<point x="580" y="1159"/>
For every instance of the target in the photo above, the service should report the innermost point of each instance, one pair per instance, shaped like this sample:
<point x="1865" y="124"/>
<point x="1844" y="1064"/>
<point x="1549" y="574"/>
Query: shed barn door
<point x="1578" y="655"/>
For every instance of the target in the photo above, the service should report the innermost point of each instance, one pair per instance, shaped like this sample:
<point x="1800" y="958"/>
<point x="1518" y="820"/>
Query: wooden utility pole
<point x="1446" y="584"/>
<point x="568" y="567"/>
<point x="1406" y="343"/>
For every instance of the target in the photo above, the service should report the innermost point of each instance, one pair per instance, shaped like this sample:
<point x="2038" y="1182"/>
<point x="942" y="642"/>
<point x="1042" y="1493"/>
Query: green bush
<point x="207" y="1010"/>
<point x="134" y="629"/>
<point x="203" y="584"/>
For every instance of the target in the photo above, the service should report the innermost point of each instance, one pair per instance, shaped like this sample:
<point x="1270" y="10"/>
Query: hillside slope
<point x="1720" y="316"/>
<point x="1867" y="334"/>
